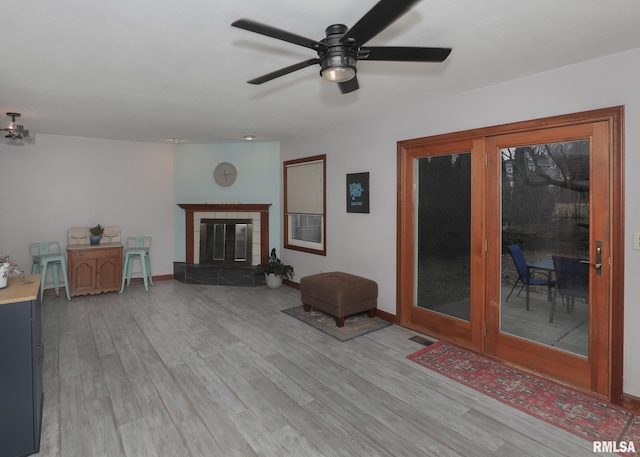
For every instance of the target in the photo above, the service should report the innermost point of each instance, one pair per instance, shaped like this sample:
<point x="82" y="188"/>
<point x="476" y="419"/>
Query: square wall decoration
<point x="358" y="192"/>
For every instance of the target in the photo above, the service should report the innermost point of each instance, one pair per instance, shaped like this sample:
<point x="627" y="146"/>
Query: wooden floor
<point x="190" y="370"/>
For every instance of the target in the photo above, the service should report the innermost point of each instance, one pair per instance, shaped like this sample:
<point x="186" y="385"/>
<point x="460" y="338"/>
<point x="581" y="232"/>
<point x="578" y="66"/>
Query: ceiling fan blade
<point x="283" y="71"/>
<point x="273" y="32"/>
<point x="403" y="54"/>
<point x="377" y="19"/>
<point x="349" y="86"/>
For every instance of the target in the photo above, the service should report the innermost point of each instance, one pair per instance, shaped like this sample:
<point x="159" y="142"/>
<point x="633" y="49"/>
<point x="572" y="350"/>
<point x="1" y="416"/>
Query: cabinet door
<point x="108" y="273"/>
<point x="16" y="380"/>
<point x="83" y="275"/>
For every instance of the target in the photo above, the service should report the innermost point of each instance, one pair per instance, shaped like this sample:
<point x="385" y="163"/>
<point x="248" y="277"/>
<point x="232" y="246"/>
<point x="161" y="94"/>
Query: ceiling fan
<point x="342" y="47"/>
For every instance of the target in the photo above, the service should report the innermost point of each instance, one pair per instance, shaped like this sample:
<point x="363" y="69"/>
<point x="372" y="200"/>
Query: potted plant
<point x="274" y="270"/>
<point x="8" y="265"/>
<point x="96" y="234"/>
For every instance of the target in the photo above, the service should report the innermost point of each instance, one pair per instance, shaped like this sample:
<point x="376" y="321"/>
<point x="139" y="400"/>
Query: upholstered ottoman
<point x="339" y="294"/>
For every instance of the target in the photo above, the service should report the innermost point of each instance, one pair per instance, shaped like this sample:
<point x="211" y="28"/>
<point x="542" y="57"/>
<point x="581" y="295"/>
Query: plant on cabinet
<point x="96" y="234"/>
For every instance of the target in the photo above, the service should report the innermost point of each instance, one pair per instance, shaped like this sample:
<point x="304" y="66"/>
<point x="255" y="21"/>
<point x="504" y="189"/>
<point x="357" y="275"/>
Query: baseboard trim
<point x="386" y="316"/>
<point x="49" y="292"/>
<point x="631" y="402"/>
<point x="290" y="283"/>
<point x="162" y="277"/>
<point x="136" y="281"/>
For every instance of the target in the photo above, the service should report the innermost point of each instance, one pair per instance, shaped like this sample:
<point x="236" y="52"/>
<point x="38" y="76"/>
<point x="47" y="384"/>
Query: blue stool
<point x="137" y="246"/>
<point x="45" y="254"/>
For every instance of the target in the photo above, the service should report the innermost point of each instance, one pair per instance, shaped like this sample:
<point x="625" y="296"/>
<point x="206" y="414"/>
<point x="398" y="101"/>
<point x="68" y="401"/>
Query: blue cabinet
<point x="21" y="358"/>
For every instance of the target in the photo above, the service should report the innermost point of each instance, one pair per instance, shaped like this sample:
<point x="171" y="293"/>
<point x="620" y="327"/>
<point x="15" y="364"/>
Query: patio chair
<point x="524" y="276"/>
<point x="572" y="281"/>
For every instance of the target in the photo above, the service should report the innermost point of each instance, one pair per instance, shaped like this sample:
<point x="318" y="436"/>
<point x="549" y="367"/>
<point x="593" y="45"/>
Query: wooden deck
<point x="569" y="331"/>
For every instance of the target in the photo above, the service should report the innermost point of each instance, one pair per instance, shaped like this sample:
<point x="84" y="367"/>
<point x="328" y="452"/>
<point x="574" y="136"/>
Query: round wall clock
<point x="225" y="174"/>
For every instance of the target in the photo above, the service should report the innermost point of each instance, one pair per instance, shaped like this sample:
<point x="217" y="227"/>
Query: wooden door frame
<point x="589" y="373"/>
<point x="614" y="116"/>
<point x="459" y="331"/>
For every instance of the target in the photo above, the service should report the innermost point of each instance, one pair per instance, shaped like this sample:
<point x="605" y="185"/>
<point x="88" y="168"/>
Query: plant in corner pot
<point x="8" y="265"/>
<point x="96" y="234"/>
<point x="274" y="270"/>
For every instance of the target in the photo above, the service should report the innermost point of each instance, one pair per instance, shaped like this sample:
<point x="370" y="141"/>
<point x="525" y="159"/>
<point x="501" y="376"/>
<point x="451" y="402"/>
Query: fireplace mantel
<point x="191" y="208"/>
<point x="246" y="207"/>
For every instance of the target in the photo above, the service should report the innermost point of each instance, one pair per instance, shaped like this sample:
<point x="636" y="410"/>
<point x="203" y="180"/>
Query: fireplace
<point x="228" y="255"/>
<point x="226" y="241"/>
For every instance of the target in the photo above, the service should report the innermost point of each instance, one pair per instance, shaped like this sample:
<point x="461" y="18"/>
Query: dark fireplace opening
<point x="226" y="241"/>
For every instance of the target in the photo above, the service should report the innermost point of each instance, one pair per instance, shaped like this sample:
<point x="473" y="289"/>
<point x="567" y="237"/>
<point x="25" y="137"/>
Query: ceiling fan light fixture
<point x="338" y="74"/>
<point x="338" y="62"/>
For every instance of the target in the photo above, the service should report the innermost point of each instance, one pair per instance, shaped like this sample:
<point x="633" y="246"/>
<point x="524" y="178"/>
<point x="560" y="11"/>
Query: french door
<point x="442" y="274"/>
<point x="508" y="241"/>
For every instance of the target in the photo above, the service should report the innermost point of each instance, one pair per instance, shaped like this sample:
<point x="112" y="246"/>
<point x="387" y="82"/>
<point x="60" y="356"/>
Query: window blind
<point x="304" y="188"/>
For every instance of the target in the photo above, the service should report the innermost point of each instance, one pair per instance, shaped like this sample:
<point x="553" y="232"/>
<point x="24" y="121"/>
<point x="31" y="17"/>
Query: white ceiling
<point x="149" y="70"/>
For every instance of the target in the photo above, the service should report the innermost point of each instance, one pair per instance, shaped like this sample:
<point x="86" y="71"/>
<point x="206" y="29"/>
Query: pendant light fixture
<point x="16" y="133"/>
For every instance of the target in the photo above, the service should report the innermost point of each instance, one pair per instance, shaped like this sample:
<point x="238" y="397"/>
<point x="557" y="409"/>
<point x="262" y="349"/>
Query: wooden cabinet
<point x="21" y="358"/>
<point x="94" y="269"/>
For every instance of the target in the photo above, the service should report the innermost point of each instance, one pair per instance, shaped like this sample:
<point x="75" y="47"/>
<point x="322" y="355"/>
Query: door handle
<point x="598" y="264"/>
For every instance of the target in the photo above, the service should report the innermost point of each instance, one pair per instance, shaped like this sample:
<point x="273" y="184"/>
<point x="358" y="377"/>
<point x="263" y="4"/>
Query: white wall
<point x="63" y="182"/>
<point x="365" y="244"/>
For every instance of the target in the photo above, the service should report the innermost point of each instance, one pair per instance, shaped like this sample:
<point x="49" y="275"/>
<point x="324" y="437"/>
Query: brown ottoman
<point x="339" y="294"/>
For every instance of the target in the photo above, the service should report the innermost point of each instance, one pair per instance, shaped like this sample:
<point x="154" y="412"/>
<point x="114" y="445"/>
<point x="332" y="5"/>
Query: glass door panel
<point x="443" y="234"/>
<point x="545" y="239"/>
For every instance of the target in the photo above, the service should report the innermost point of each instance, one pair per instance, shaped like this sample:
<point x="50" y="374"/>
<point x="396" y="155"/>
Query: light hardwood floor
<point x="189" y="370"/>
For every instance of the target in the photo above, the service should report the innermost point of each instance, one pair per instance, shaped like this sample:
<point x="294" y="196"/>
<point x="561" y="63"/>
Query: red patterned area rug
<point x="574" y="411"/>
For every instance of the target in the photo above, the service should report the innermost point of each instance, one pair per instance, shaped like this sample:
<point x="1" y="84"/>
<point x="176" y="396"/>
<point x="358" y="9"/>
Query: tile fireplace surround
<point x="191" y="272"/>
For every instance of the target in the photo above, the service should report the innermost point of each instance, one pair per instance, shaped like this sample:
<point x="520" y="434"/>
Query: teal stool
<point x="137" y="246"/>
<point x="45" y="254"/>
